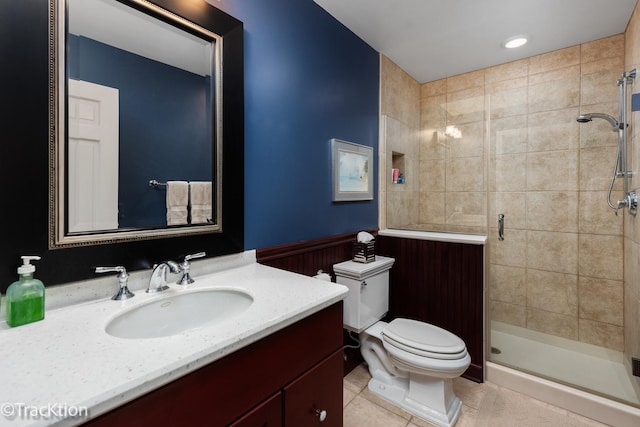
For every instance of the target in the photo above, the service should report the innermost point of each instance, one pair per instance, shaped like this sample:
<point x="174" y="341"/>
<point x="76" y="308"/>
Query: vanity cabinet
<point x="315" y="398"/>
<point x="266" y="414"/>
<point x="285" y="379"/>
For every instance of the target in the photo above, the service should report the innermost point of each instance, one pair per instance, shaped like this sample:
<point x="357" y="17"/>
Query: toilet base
<point x="429" y="398"/>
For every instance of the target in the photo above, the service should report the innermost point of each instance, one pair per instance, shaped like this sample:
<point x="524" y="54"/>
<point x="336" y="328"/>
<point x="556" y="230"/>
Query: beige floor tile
<point x="469" y="392"/>
<point x="347" y="396"/>
<point x="360" y="412"/>
<point x="357" y="379"/>
<point x="506" y="408"/>
<point x="484" y="405"/>
<point x="468" y="417"/>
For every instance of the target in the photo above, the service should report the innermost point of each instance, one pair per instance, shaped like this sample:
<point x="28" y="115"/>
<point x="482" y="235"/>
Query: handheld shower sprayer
<point x="586" y="118"/>
<point x="618" y="170"/>
<point x="620" y="126"/>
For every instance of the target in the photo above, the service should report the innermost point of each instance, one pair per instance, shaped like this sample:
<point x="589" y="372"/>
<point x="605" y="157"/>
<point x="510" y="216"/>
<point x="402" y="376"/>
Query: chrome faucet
<point x="158" y="281"/>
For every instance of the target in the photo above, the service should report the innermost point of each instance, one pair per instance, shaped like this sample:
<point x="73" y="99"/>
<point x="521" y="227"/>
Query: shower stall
<point x="507" y="152"/>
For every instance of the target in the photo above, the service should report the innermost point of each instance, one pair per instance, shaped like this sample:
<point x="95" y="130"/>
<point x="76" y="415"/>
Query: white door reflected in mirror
<point x="93" y="157"/>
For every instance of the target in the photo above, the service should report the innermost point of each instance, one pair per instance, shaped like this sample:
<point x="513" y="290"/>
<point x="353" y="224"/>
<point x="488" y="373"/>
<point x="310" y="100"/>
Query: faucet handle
<point x="124" y="292"/>
<point x="118" y="269"/>
<point x="186" y="278"/>
<point x="194" y="256"/>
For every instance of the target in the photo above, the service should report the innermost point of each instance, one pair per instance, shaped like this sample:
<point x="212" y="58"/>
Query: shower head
<point x="586" y="118"/>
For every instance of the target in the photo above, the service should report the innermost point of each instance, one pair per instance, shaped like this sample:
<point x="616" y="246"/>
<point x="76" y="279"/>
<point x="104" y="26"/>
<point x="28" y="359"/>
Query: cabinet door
<point x="267" y="414"/>
<point x="318" y="390"/>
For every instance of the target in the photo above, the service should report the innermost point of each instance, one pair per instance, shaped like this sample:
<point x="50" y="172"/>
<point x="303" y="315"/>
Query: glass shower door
<point x="556" y="280"/>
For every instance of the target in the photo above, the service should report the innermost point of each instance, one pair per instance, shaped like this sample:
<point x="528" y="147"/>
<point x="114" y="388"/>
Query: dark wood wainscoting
<point x="440" y="283"/>
<point x="309" y="256"/>
<point x="435" y="282"/>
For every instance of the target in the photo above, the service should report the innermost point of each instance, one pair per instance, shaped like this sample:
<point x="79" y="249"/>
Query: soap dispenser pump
<point x="25" y="297"/>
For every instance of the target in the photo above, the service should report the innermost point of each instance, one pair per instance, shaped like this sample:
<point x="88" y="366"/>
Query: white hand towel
<point x="200" y="199"/>
<point x="177" y="202"/>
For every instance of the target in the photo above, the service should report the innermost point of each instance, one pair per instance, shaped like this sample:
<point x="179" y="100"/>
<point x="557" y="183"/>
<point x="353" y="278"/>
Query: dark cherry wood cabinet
<point x="277" y="381"/>
<point x="266" y="414"/>
<point x="315" y="399"/>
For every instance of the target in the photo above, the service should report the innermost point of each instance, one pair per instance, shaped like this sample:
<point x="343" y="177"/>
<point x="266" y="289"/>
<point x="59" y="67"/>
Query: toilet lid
<point x="424" y="338"/>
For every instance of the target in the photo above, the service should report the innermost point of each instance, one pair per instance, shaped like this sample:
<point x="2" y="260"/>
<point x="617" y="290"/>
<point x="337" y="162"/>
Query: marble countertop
<point x="56" y="371"/>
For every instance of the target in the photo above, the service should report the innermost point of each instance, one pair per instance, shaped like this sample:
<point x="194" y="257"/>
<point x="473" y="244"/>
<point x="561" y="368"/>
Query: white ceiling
<point x="115" y="24"/>
<point x="432" y="39"/>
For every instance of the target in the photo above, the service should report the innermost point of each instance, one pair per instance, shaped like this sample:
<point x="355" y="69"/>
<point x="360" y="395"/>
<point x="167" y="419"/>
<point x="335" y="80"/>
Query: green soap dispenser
<point x="25" y="298"/>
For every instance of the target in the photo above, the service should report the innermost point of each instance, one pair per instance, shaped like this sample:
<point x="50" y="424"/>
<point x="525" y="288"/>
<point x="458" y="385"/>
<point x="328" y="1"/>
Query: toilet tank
<point x="368" y="297"/>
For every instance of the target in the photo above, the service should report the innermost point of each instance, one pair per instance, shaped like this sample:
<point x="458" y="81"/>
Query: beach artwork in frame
<point x="352" y="171"/>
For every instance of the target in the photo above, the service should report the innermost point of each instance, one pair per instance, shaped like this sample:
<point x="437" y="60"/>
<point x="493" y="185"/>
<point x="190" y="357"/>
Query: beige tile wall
<point x="560" y="268"/>
<point x="631" y="243"/>
<point x="399" y="130"/>
<point x="458" y="202"/>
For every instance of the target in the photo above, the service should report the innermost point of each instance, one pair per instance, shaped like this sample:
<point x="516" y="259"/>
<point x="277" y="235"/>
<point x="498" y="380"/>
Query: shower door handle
<point x="501" y="227"/>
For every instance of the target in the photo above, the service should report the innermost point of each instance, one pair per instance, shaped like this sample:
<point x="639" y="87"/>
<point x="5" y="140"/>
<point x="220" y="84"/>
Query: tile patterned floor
<point x="484" y="405"/>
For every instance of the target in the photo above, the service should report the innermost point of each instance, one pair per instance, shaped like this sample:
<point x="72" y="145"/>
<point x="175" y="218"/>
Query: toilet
<point x="412" y="364"/>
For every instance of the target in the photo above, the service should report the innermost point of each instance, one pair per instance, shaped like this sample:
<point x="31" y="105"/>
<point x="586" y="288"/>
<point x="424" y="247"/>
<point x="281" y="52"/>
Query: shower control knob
<point x="632" y="198"/>
<point x="630" y="201"/>
<point x="322" y="414"/>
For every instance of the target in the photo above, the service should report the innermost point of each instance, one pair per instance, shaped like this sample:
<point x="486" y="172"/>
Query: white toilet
<point x="412" y="363"/>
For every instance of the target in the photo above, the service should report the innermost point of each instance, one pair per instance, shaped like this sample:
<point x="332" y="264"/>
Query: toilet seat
<point x="439" y="368"/>
<point x="423" y="339"/>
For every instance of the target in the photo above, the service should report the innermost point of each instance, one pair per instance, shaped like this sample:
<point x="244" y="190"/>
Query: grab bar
<point x="501" y="227"/>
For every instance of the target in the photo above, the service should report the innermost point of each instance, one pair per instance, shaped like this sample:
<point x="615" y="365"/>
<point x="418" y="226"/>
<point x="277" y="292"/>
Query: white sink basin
<point x="179" y="312"/>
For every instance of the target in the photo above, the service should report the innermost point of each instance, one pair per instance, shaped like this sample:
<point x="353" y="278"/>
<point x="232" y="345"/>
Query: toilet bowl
<point x="419" y="383"/>
<point x="412" y="364"/>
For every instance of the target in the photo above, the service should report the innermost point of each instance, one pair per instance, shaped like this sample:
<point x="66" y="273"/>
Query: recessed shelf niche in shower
<point x="397" y="164"/>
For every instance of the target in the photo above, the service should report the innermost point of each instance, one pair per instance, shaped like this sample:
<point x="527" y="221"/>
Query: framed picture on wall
<point x="352" y="171"/>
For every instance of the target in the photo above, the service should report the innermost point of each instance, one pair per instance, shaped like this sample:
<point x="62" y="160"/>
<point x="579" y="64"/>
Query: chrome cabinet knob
<point x="322" y="414"/>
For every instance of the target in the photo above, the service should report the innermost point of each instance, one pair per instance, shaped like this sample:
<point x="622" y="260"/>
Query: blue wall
<point x="150" y="109"/>
<point x="307" y="79"/>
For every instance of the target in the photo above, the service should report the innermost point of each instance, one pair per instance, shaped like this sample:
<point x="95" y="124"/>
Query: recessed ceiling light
<point x="516" y="41"/>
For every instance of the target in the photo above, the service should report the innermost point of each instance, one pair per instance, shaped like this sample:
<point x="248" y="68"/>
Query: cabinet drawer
<point x="319" y="389"/>
<point x="267" y="414"/>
